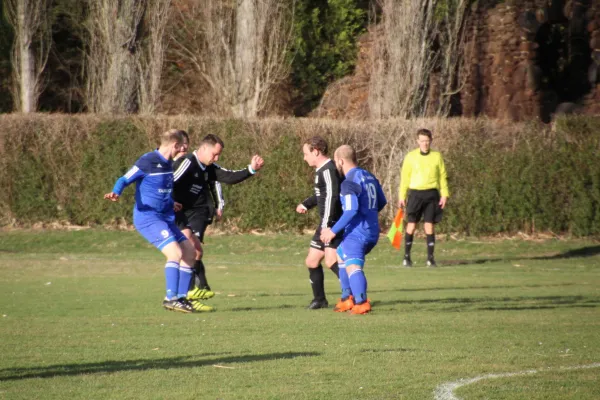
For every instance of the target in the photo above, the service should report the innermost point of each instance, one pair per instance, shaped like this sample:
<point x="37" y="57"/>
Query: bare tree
<point x="405" y="57"/>
<point x="153" y="55"/>
<point x="114" y="36"/>
<point x="30" y="20"/>
<point x="126" y="48"/>
<point x="239" y="47"/>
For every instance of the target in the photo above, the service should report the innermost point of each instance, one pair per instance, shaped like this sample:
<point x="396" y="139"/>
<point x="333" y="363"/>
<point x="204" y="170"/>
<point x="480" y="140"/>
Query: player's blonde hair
<point x="173" y="135"/>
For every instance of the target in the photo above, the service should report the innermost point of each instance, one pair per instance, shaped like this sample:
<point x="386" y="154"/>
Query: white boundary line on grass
<point x="445" y="391"/>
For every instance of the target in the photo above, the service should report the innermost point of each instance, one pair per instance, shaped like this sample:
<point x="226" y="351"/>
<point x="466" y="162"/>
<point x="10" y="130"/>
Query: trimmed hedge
<point x="503" y="177"/>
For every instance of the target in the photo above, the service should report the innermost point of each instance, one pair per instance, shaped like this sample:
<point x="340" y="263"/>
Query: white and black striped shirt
<point x="192" y="181"/>
<point x="327" y="194"/>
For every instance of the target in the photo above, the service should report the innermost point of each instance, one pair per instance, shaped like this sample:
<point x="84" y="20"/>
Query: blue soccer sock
<point x="172" y="279"/>
<point x="185" y="277"/>
<point x="358" y="283"/>
<point x="344" y="282"/>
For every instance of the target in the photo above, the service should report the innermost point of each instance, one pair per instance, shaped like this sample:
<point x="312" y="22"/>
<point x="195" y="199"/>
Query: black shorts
<point x="425" y="204"/>
<point x="316" y="243"/>
<point x="196" y="219"/>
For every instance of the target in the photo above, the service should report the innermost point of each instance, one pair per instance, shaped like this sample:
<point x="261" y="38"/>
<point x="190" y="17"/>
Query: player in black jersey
<point x="327" y="199"/>
<point x="194" y="173"/>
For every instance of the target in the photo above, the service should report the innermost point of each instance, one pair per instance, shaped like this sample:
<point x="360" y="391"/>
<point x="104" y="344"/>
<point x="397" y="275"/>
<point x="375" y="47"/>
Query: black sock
<point x="408" y="240"/>
<point x="430" y="246"/>
<point x="317" y="281"/>
<point x="335" y="269"/>
<point x="200" y="275"/>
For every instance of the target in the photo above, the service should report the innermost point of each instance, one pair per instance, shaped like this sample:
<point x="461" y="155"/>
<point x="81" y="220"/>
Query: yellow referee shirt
<point x="422" y="172"/>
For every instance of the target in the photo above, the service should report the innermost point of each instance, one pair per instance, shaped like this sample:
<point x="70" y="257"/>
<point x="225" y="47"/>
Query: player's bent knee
<point x="172" y="251"/>
<point x="188" y="253"/>
<point x="314" y="257"/>
<point x="350" y="268"/>
<point x="330" y="257"/>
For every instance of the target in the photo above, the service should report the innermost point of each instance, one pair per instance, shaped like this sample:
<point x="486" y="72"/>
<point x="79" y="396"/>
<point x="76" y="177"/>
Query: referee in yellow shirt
<point x="424" y="193"/>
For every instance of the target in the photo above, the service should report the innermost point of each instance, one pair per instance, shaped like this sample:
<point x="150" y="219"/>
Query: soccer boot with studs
<point x="344" y="305"/>
<point x="362" y="308"/>
<point x="201" y="307"/>
<point x="200" y="294"/>
<point x="316" y="304"/>
<point x="180" y="305"/>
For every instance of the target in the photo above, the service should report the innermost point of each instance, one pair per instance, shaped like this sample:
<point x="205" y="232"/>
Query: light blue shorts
<point x="157" y="231"/>
<point x="353" y="250"/>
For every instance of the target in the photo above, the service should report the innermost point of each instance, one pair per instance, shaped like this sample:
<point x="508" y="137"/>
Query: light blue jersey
<point x="362" y="199"/>
<point x="153" y="175"/>
<point x="153" y="214"/>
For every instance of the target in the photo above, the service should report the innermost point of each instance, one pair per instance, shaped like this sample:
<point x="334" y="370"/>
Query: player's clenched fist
<point x="257" y="162"/>
<point x="300" y="209"/>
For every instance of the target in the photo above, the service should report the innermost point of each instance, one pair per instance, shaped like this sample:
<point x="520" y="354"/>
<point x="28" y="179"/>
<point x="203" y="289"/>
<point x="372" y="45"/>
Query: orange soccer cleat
<point x="361" y="308"/>
<point x="344" y="305"/>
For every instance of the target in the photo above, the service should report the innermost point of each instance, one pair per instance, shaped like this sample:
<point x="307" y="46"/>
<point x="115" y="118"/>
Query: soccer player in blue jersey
<point x="154" y="215"/>
<point x="362" y="200"/>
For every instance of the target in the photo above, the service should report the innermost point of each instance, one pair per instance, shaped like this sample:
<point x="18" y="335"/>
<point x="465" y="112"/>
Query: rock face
<point x="527" y="59"/>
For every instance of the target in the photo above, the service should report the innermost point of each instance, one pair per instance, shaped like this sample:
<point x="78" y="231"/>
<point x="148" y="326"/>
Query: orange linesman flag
<point x="395" y="233"/>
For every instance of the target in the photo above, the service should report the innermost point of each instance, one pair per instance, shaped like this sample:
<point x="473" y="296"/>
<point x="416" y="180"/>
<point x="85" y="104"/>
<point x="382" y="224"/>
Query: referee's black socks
<point x="317" y="282"/>
<point x="430" y="246"/>
<point x="408" y="241"/>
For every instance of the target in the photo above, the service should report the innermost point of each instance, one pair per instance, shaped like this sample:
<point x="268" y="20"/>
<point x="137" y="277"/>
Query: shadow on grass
<point x="500" y="303"/>
<point x="395" y="350"/>
<point x="433" y="289"/>
<point x="52" y="371"/>
<point x="277" y="307"/>
<point x="588" y="251"/>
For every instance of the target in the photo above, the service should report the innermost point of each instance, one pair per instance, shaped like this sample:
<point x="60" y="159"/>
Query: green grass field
<point x="81" y="318"/>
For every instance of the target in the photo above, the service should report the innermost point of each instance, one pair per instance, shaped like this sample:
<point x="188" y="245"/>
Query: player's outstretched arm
<point x="131" y="176"/>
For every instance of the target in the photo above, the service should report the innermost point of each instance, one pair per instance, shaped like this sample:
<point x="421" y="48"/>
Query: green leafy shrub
<point x="502" y="177"/>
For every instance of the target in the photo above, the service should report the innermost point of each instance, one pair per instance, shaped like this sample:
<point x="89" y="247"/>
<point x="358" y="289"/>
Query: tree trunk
<point x="246" y="41"/>
<point x="27" y="81"/>
<point x="114" y="55"/>
<point x="29" y="19"/>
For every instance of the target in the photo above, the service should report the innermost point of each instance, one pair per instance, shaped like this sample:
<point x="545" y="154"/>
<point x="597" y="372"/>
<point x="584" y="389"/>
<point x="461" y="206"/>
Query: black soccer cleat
<point x="431" y="263"/>
<point x="316" y="304"/>
<point x="180" y="305"/>
<point x="407" y="262"/>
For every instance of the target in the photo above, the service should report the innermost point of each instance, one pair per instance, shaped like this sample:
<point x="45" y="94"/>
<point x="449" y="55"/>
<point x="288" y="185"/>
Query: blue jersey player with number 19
<point x="154" y="215"/>
<point x="362" y="200"/>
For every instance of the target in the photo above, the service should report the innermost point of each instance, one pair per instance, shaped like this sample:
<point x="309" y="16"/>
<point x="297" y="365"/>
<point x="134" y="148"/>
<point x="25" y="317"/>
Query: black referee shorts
<point x="196" y="219"/>
<point x="316" y="242"/>
<point x="424" y="204"/>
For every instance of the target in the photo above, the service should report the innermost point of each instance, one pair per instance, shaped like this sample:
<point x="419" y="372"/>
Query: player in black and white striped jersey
<point x="194" y="174"/>
<point x="327" y="199"/>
